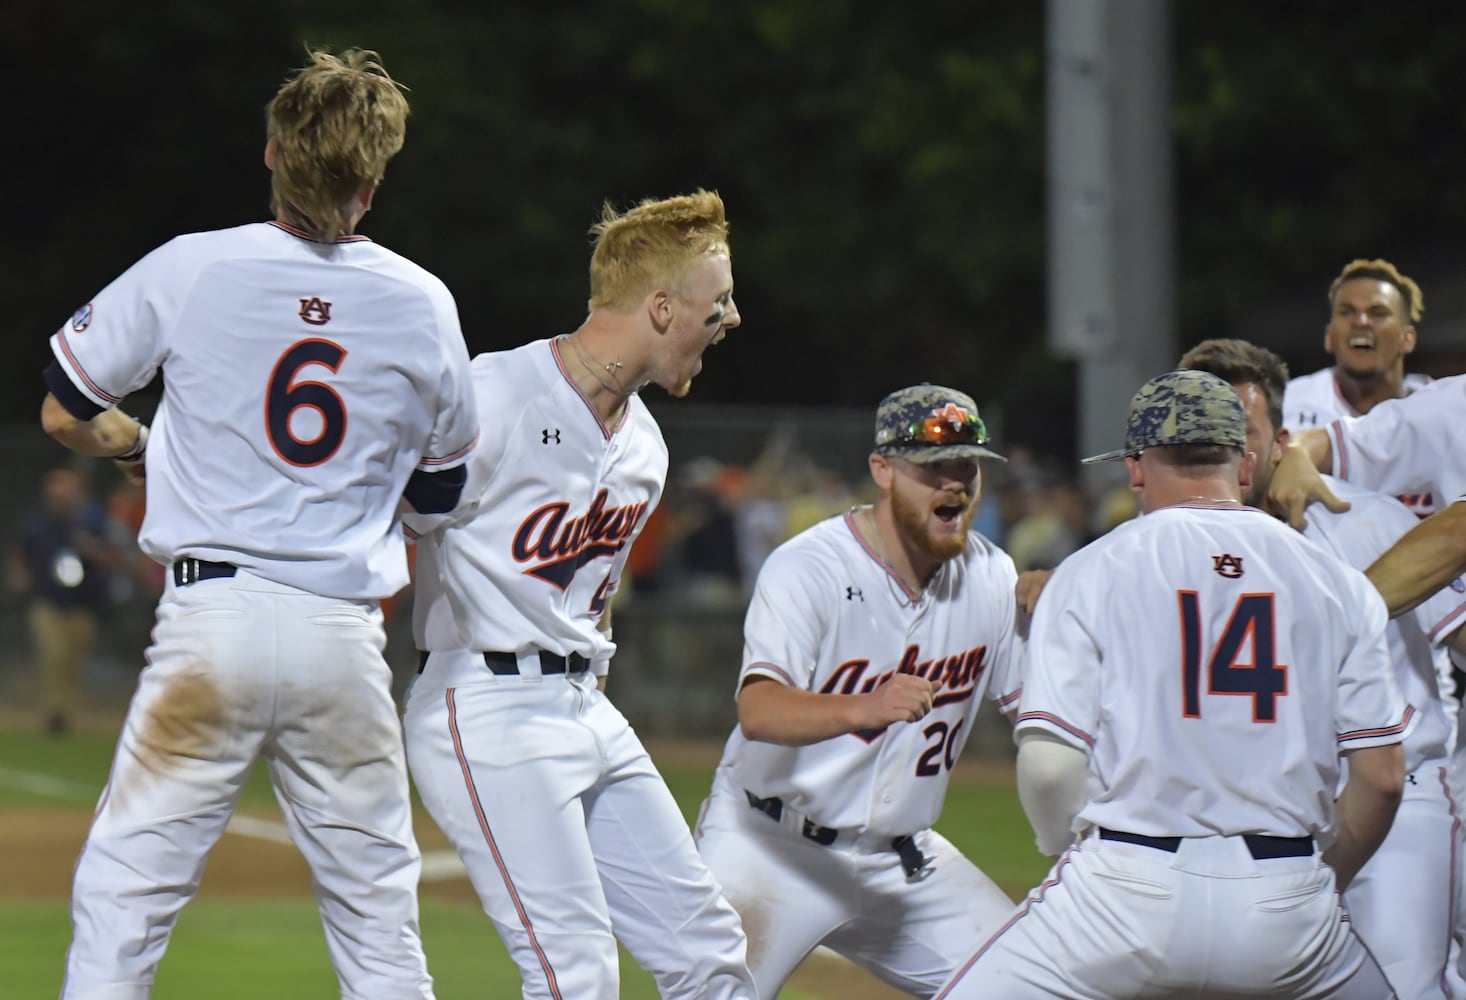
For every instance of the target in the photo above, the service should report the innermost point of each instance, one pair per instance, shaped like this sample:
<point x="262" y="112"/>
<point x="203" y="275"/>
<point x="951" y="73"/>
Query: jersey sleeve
<point x="1370" y="710"/>
<point x="1005" y="686"/>
<point x="1443" y="612"/>
<point x="1403" y="445"/>
<point x="115" y="343"/>
<point x="1060" y="692"/>
<point x="456" y="424"/>
<point x="786" y="622"/>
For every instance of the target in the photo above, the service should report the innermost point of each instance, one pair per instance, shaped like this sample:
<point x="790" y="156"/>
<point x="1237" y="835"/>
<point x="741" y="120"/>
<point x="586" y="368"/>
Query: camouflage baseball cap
<point x="1182" y="407"/>
<point x="931" y="423"/>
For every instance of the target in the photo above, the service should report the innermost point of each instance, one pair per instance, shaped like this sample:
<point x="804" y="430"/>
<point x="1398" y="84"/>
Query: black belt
<point x="916" y="864"/>
<point x="1260" y="846"/>
<point x="186" y="571"/>
<point x="508" y="663"/>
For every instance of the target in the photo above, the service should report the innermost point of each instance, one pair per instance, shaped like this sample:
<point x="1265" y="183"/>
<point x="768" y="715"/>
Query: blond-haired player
<point x="313" y="381"/>
<point x="871" y="641"/>
<point x="1192" y="679"/>
<point x="569" y="834"/>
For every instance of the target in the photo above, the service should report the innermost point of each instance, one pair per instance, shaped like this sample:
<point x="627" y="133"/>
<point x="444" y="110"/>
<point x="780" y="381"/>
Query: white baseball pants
<point x="1119" y="921"/>
<point x="569" y="834"/>
<point x="852" y="896"/>
<point x="242" y="667"/>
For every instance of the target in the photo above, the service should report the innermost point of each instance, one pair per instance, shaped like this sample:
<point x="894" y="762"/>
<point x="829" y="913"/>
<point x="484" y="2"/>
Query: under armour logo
<point x="315" y="311"/>
<point x="1310" y="418"/>
<point x="1411" y="778"/>
<point x="1227" y="565"/>
<point x="851" y="593"/>
<point x="547" y="435"/>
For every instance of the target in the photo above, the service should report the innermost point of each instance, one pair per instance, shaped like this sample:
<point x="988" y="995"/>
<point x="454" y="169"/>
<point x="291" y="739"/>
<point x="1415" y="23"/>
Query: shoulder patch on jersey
<point x="82" y="318"/>
<point x="1226" y="565"/>
<point x="315" y="311"/>
<point x="1458" y="585"/>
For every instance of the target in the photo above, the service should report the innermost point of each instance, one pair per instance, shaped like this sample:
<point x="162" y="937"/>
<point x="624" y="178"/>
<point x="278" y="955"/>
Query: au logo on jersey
<point x="1227" y="565"/>
<point x="82" y="318"/>
<point x="315" y="311"/>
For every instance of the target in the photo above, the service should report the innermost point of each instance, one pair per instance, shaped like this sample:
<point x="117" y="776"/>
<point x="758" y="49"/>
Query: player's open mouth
<point x="949" y="512"/>
<point x="1361" y="344"/>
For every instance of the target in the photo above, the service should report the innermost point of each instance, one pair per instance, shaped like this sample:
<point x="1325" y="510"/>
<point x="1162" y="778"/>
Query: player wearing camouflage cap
<point x="870" y="642"/>
<point x="1192" y="679"/>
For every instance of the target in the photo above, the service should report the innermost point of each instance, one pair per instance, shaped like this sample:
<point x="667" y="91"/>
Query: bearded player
<point x="870" y="642"/>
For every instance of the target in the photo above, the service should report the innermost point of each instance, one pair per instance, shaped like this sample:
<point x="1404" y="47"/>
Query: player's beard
<point x="912" y="521"/>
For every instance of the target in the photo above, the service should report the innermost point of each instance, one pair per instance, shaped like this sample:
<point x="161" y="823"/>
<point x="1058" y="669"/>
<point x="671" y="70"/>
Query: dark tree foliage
<point x="882" y="164"/>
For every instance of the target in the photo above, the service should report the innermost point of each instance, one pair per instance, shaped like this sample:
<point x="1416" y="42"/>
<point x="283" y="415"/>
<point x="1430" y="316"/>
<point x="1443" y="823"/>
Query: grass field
<point x="253" y="930"/>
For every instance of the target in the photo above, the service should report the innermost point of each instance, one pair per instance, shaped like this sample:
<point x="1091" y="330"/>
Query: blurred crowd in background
<point x="81" y="593"/>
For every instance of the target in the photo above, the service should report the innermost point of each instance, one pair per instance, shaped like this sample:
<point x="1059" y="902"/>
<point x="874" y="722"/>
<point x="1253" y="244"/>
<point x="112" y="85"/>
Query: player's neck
<point x="602" y="382"/>
<point x="1207" y="491"/>
<point x="1365" y="392"/>
<point x="914" y="571"/>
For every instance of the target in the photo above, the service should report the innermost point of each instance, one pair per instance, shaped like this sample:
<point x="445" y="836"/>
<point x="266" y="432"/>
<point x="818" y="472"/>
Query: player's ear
<point x="1407" y="340"/>
<point x="270" y="154"/>
<point x="660" y="308"/>
<point x="1244" y="471"/>
<point x="880" y="470"/>
<point x="1137" y="473"/>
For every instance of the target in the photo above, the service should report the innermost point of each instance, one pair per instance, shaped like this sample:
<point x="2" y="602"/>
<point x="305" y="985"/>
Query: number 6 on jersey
<point x="285" y="396"/>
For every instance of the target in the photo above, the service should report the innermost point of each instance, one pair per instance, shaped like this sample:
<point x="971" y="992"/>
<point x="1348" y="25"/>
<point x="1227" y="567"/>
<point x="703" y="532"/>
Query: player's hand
<point x="901" y="698"/>
<point x="1030" y="585"/>
<point x="136" y="472"/>
<point x="1296" y="484"/>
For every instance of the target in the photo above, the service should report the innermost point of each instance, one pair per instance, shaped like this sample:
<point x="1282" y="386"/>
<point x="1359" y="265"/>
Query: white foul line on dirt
<point x="437" y="866"/>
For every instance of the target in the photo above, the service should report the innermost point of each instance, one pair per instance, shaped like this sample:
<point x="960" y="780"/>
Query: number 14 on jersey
<point x="1251" y="627"/>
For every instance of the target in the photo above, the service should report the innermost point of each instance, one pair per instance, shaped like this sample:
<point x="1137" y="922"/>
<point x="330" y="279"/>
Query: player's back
<point x="302" y="386"/>
<point x="1226" y="642"/>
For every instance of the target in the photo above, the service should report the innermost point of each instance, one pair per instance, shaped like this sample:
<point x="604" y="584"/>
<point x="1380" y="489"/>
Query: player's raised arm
<point x="1428" y="558"/>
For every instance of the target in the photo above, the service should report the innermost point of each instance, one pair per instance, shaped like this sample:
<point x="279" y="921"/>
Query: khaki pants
<point x="63" y="638"/>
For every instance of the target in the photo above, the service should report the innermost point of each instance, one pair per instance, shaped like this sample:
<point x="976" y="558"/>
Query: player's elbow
<point x="757" y="717"/>
<point x="1381" y="772"/>
<point x="56" y="420"/>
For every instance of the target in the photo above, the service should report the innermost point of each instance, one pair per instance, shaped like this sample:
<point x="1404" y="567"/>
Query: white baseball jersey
<point x="1407" y="443"/>
<point x="827" y="616"/>
<point x="1215" y="697"/>
<point x="1359" y="536"/>
<point x="553" y="502"/>
<point x="1314" y="400"/>
<point x="296" y="372"/>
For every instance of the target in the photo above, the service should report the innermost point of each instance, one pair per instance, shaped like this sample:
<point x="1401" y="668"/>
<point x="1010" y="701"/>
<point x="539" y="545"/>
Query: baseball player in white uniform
<point x="1409" y="936"/>
<point x="1371" y="329"/>
<point x="1192" y="678"/>
<point x="569" y="834"/>
<point x="314" y="380"/>
<point x="870" y="642"/>
<point x="1415" y="439"/>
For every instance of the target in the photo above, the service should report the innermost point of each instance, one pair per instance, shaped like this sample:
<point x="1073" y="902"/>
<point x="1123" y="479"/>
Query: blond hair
<point x="335" y="123"/>
<point x="651" y="245"/>
<point x="1380" y="269"/>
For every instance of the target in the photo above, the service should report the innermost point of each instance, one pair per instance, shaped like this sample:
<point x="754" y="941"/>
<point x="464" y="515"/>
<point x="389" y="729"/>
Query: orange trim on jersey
<point x="625" y="410"/>
<point x="456" y="455"/>
<point x="82" y="372"/>
<point x="1028" y="904"/>
<point x="483" y="823"/>
<point x="293" y="231"/>
<point x="786" y="677"/>
<point x="1016" y="696"/>
<point x="911" y="595"/>
<point x="1054" y="720"/>
<point x="1364" y="734"/>
<point x="1445" y="624"/>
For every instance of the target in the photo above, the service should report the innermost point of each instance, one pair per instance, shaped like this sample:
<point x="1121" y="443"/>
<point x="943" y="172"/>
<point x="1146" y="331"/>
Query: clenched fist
<point x="900" y="698"/>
